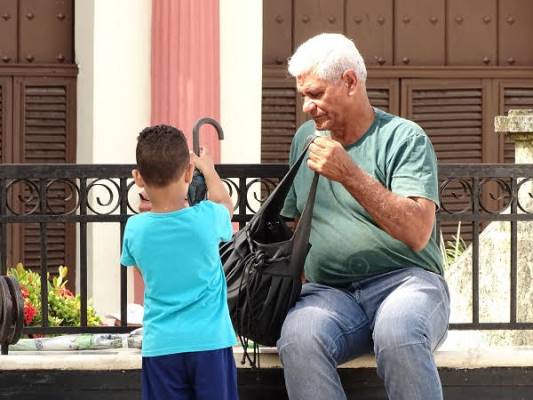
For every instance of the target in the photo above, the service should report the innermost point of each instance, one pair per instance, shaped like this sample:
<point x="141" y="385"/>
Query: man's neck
<point x="169" y="198"/>
<point x="356" y="126"/>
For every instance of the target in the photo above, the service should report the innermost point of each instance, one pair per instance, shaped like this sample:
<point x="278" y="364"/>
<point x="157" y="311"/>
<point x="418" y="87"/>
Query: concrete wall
<point x="113" y="44"/>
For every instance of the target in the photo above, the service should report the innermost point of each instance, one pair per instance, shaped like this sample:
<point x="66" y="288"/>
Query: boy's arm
<point x="216" y="191"/>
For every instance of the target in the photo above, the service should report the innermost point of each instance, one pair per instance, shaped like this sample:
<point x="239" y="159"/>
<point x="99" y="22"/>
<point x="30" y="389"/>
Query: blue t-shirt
<point x="185" y="301"/>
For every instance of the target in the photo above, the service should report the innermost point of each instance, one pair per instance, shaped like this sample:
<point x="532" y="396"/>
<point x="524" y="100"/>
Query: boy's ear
<point x="137" y="178"/>
<point x="189" y="171"/>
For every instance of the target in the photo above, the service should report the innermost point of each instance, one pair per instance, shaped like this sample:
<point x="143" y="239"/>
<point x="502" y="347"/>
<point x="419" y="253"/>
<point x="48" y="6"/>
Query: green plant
<point x="63" y="305"/>
<point x="452" y="250"/>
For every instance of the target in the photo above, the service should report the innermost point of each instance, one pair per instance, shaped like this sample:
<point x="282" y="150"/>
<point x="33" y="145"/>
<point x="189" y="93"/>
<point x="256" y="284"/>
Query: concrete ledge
<point x="130" y="359"/>
<point x="87" y="360"/>
<point x="464" y="359"/>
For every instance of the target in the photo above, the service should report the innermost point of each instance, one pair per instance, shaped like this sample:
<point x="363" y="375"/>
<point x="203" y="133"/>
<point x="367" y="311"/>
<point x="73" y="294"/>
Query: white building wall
<point x="113" y="54"/>
<point x="241" y="59"/>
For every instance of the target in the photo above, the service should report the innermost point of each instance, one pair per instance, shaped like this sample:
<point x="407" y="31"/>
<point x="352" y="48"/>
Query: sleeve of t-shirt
<point x="126" y="257"/>
<point x="222" y="221"/>
<point x="414" y="169"/>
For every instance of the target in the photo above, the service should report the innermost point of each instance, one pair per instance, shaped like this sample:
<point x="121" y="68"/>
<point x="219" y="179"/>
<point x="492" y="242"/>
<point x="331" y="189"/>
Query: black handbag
<point x="263" y="264"/>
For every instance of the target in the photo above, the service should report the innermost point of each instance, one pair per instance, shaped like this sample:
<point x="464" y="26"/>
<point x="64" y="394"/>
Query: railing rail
<point x="81" y="194"/>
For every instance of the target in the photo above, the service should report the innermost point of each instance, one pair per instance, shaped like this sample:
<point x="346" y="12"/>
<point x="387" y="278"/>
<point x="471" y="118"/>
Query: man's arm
<point x="409" y="220"/>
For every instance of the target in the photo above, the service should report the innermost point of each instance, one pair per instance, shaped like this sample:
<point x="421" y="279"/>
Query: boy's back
<point x="188" y="336"/>
<point x="185" y="288"/>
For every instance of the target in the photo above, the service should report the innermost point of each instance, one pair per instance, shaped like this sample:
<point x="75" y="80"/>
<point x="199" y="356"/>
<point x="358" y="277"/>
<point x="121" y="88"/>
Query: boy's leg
<point x="165" y="377"/>
<point x="214" y="374"/>
<point x="326" y="327"/>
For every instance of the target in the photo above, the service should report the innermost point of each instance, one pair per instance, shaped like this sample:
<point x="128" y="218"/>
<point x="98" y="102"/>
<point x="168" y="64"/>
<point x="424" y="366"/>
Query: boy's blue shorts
<point x="201" y="375"/>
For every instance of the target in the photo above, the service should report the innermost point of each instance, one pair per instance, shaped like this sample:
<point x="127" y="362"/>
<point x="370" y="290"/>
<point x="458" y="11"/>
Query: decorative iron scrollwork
<point x="266" y="186"/>
<point x="454" y="194"/>
<point x="110" y="189"/>
<point x="525" y="195"/>
<point x="233" y="190"/>
<point x="28" y="195"/>
<point x="62" y="193"/>
<point x="495" y="195"/>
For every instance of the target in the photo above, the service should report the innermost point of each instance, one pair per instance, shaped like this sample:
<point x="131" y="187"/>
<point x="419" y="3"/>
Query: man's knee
<point x="400" y="331"/>
<point x="304" y="333"/>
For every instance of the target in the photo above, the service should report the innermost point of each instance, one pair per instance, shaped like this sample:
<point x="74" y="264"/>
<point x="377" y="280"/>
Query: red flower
<point x="64" y="292"/>
<point x="29" y="312"/>
<point x="24" y="291"/>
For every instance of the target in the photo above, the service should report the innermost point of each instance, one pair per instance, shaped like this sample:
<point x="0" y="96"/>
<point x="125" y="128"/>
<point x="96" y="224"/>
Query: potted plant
<point x="63" y="305"/>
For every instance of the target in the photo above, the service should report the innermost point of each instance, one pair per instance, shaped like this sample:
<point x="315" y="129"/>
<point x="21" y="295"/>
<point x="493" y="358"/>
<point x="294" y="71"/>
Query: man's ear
<point x="349" y="78"/>
<point x="137" y="178"/>
<point x="189" y="171"/>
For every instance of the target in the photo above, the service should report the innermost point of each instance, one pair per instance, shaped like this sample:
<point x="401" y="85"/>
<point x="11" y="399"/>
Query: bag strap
<point x="274" y="203"/>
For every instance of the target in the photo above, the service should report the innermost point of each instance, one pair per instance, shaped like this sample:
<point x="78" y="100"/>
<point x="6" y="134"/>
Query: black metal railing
<point x="81" y="194"/>
<point x="477" y="194"/>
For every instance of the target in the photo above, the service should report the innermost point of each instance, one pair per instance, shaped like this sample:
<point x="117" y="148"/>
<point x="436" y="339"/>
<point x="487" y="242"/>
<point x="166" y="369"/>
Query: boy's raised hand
<point x="216" y="190"/>
<point x="203" y="162"/>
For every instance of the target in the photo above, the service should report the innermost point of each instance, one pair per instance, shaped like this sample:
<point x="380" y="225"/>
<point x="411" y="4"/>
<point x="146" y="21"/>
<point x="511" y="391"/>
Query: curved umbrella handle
<point x="196" y="132"/>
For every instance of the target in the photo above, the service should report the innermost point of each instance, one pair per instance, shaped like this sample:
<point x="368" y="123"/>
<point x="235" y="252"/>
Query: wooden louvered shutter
<point x="514" y="95"/>
<point x="384" y="94"/>
<point x="6" y="110"/>
<point x="454" y="115"/>
<point x="46" y="120"/>
<point x="280" y="115"/>
<point x="46" y="125"/>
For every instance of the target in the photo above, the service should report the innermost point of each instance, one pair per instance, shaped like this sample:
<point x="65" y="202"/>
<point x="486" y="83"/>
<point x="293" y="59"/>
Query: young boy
<point x="188" y="336"/>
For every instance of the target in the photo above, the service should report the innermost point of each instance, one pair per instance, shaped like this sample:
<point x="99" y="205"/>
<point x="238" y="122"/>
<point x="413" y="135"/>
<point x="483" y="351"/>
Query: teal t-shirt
<point x="185" y="300"/>
<point x="347" y="244"/>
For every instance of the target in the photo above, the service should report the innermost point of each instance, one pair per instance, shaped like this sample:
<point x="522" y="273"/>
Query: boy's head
<point x="162" y="155"/>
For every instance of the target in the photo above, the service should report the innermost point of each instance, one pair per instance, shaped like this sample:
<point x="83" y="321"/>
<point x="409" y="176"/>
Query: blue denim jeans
<point x="402" y="316"/>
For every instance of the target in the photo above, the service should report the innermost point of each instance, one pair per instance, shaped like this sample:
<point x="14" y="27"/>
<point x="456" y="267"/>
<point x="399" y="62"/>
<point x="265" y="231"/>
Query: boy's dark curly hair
<point x="162" y="154"/>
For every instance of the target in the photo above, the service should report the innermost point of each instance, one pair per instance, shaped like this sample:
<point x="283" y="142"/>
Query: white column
<point x="241" y="53"/>
<point x="113" y="53"/>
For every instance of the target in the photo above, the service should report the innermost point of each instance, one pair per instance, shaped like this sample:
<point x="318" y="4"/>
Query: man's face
<point x="324" y="101"/>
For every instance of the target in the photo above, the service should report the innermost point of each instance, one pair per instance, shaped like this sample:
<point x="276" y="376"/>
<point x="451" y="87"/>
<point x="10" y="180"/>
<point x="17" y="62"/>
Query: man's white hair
<point x="327" y="56"/>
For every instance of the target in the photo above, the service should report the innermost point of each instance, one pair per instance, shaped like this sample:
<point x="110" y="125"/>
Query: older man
<point x="374" y="272"/>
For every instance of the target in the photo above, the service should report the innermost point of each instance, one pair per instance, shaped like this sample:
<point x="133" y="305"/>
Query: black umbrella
<point x="198" y="188"/>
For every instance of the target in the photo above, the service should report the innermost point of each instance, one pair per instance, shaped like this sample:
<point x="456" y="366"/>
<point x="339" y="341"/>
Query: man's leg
<point x="325" y="327"/>
<point x="408" y="325"/>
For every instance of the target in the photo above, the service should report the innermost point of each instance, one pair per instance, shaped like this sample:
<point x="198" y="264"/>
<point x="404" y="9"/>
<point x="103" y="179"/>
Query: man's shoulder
<point x="401" y="127"/>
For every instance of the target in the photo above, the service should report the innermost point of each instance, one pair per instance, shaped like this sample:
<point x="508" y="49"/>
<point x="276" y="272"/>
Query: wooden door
<point x="6" y="127"/>
<point x="513" y="94"/>
<point x="419" y="34"/>
<point x="471" y="32"/>
<point x="312" y="17"/>
<point x="44" y="130"/>
<point x="451" y="113"/>
<point x="369" y="23"/>
<point x="280" y="115"/>
<point x="384" y="94"/>
<point x="515" y="25"/>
